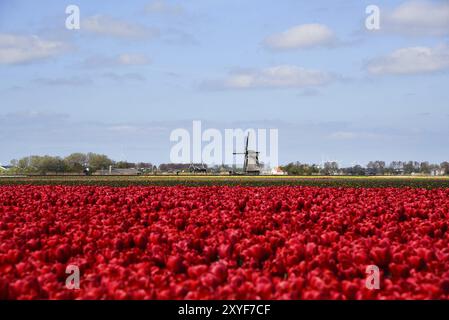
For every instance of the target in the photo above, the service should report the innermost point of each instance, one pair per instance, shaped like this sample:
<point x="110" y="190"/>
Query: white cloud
<point x="302" y="36"/>
<point x="130" y="59"/>
<point x="108" y="26"/>
<point x="126" y="59"/>
<point x="70" y="81"/>
<point x="124" y="77"/>
<point x="17" y="49"/>
<point x="412" y="60"/>
<point x="353" y="135"/>
<point x="283" y="76"/>
<point x="160" y="6"/>
<point x="78" y="81"/>
<point x="420" y="17"/>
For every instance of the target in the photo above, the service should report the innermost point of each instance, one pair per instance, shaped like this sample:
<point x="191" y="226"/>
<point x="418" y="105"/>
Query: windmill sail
<point x="245" y="163"/>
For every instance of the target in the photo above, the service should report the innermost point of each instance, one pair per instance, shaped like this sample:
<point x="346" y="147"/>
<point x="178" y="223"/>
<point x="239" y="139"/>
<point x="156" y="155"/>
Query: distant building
<point x="399" y="172"/>
<point x="278" y="172"/>
<point x="118" y="172"/>
<point x="437" y="172"/>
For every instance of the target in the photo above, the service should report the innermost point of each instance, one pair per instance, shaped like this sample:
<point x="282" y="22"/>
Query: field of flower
<point x="225" y="180"/>
<point x="223" y="242"/>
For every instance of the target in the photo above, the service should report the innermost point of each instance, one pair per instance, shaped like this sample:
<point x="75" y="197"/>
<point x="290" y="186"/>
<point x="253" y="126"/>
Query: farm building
<point x="4" y="168"/>
<point x="118" y="172"/>
<point x="278" y="172"/>
<point x="437" y="172"/>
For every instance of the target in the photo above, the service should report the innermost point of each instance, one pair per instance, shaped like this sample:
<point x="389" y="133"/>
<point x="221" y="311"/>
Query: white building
<point x="277" y="171"/>
<point x="437" y="172"/>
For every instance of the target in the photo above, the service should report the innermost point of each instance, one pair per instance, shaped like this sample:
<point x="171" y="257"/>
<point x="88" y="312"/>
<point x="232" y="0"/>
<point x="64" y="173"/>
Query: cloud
<point x="19" y="49"/>
<point x="413" y="60"/>
<point x="108" y="26"/>
<point x="126" y="59"/>
<point x="162" y="7"/>
<point x="72" y="81"/>
<point x="32" y="117"/>
<point x="124" y="77"/>
<point x="302" y="37"/>
<point x="419" y="17"/>
<point x="283" y="76"/>
<point x="178" y="37"/>
<point x="123" y="128"/>
<point x="352" y="135"/>
<point x="309" y="92"/>
<point x="77" y="81"/>
<point x="41" y="133"/>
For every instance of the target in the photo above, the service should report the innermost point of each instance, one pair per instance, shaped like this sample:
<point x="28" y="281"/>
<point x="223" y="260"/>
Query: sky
<point x="137" y="70"/>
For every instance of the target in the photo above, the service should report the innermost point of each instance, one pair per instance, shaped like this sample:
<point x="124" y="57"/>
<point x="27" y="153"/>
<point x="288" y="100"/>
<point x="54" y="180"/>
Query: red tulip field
<point x="223" y="242"/>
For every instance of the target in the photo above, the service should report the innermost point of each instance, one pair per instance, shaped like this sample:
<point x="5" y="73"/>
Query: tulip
<point x="223" y="242"/>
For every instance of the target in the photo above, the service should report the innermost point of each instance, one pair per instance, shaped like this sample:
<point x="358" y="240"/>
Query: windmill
<point x="251" y="162"/>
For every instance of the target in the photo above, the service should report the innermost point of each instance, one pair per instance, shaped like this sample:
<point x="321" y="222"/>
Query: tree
<point x="173" y="167"/>
<point x="445" y="167"/>
<point x="76" y="162"/>
<point x="356" y="170"/>
<point x="300" y="169"/>
<point x="23" y="163"/>
<point x="48" y="164"/>
<point x="411" y="167"/>
<point x="425" y="167"/>
<point x="98" y="161"/>
<point x="125" y="165"/>
<point x="41" y="165"/>
<point x="144" y="165"/>
<point x="330" y="168"/>
<point x="396" y="167"/>
<point x="376" y="167"/>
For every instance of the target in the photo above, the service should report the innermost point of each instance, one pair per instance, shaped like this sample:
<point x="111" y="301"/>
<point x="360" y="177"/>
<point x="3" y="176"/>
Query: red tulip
<point x="62" y="253"/>
<point x="219" y="270"/>
<point x="197" y="271"/>
<point x="4" y="290"/>
<point x="444" y="285"/>
<point x="223" y="242"/>
<point x="174" y="264"/>
<point x="141" y="241"/>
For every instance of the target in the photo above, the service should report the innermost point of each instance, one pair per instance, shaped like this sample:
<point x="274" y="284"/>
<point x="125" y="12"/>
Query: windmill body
<point x="251" y="164"/>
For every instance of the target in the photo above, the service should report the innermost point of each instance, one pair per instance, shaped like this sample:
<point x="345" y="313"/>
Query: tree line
<point x="372" y="168"/>
<point x="75" y="163"/>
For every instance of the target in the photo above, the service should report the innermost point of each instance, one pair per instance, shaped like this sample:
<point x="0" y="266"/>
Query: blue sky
<point x="136" y="70"/>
